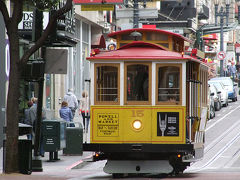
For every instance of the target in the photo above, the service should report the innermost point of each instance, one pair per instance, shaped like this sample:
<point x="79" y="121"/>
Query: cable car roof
<point x="139" y="50"/>
<point x="160" y="31"/>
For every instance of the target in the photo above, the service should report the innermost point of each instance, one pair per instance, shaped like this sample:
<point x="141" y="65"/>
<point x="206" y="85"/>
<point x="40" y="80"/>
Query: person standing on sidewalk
<point x="84" y="110"/>
<point x="66" y="113"/>
<point x="27" y="119"/>
<point x="33" y="117"/>
<point x="71" y="99"/>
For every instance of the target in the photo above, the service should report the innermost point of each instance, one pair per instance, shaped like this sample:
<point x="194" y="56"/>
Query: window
<point x="137" y="83"/>
<point x="151" y="36"/>
<point x="107" y="84"/>
<point x="166" y="45"/>
<point x="168" y="84"/>
<point x="129" y="37"/>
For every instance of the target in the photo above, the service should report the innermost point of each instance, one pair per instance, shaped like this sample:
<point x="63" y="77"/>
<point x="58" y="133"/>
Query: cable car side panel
<point x="158" y="125"/>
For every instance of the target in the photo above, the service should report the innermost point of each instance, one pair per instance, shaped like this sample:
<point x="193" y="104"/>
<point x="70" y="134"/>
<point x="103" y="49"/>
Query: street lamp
<point x="238" y="4"/>
<point x="221" y="14"/>
<point x="237" y="45"/>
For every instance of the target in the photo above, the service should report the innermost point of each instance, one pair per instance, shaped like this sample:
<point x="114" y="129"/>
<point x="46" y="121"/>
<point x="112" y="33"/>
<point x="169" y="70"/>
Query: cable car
<point x="148" y="104"/>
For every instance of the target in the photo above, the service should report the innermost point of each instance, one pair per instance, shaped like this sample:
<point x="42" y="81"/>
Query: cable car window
<point x="129" y="37"/>
<point x="150" y="36"/>
<point x="107" y="84"/>
<point x="169" y="81"/>
<point x="137" y="82"/>
<point x="166" y="45"/>
<point x="122" y="44"/>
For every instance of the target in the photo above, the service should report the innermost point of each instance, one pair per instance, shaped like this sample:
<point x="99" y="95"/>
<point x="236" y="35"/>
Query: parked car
<point x="231" y="87"/>
<point x="224" y="93"/>
<point x="216" y="97"/>
<point x="211" y="108"/>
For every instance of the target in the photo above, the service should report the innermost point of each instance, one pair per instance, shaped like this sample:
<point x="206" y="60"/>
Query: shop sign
<point x="97" y="7"/>
<point x="210" y="37"/>
<point x="27" y="20"/>
<point x="98" y="1"/>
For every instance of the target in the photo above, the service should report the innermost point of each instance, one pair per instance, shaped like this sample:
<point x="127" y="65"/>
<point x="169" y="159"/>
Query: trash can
<point x="24" y="150"/>
<point x="24" y="156"/>
<point x="74" y="140"/>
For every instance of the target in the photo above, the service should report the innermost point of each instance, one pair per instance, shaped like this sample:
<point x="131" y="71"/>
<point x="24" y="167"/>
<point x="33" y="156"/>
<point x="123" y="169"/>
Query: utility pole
<point x="237" y="45"/>
<point x="221" y="14"/>
<point x="36" y="34"/>
<point x="135" y="14"/>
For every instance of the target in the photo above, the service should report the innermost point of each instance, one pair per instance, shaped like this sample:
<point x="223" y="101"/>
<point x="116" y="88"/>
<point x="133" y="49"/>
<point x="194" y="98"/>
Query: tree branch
<point x="67" y="7"/>
<point x="17" y="11"/>
<point x="3" y="9"/>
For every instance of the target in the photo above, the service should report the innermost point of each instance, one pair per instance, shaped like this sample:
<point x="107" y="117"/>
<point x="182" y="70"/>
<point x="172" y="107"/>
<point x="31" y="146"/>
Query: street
<point x="222" y="148"/>
<point x="221" y="159"/>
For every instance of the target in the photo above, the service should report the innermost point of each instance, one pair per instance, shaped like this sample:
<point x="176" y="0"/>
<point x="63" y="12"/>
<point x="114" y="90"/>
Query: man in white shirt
<point x="71" y="99"/>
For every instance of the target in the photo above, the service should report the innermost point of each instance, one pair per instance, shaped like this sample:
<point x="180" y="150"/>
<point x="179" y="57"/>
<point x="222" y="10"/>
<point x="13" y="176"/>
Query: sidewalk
<point x="61" y="169"/>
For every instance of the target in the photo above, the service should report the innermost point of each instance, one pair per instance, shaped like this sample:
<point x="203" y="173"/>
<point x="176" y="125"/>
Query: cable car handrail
<point x="107" y="88"/>
<point x="168" y="88"/>
<point x="107" y="94"/>
<point x="169" y="94"/>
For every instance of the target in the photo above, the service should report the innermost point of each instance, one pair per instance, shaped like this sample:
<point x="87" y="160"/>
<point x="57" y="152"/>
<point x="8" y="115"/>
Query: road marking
<point x="77" y="163"/>
<point x="221" y="151"/>
<point x="221" y="137"/>
<point x="217" y="155"/>
<point x="212" y="125"/>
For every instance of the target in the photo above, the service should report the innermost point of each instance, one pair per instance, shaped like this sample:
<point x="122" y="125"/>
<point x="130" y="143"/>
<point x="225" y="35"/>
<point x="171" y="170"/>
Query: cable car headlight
<point x="137" y="124"/>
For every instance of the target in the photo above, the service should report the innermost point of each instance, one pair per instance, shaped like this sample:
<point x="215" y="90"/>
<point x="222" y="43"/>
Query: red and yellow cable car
<point x="148" y="104"/>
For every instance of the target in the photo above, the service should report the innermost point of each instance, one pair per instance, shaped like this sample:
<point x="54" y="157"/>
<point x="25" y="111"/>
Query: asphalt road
<point x="221" y="157"/>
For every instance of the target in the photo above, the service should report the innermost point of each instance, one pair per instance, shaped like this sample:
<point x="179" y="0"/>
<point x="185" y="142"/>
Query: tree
<point x="16" y="66"/>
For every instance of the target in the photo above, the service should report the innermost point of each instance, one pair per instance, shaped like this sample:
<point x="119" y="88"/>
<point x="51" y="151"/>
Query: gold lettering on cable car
<point x="108" y="124"/>
<point x="137" y="113"/>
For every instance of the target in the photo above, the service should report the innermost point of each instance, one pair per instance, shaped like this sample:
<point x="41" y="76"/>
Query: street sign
<point x="221" y="55"/>
<point x="143" y="13"/>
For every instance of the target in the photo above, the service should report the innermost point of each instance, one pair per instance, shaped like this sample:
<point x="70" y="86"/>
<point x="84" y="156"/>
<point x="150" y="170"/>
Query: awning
<point x="98" y="41"/>
<point x="210" y="37"/>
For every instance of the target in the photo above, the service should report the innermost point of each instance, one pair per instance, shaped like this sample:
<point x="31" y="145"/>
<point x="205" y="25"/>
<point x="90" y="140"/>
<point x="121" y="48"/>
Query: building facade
<point x="3" y="77"/>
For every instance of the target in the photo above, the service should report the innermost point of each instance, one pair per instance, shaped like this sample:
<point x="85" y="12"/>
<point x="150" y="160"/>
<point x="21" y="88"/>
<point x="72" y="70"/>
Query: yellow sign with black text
<point x="97" y="7"/>
<point x="107" y="124"/>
